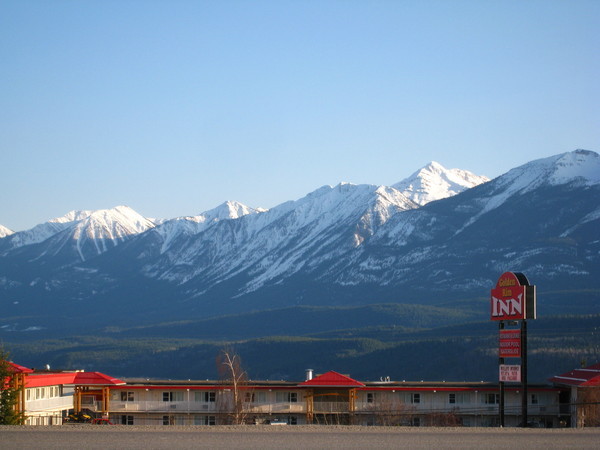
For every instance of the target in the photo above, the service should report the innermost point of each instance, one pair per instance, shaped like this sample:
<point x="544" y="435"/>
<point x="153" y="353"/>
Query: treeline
<point x="459" y="353"/>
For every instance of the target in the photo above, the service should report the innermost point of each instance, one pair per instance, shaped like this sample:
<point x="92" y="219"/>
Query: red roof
<point x="15" y="368"/>
<point x="87" y="378"/>
<point x="40" y="379"/>
<point x="590" y="376"/>
<point x="332" y="379"/>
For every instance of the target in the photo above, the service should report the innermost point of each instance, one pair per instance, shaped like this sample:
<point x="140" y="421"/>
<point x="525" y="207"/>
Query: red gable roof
<point x="332" y="379"/>
<point x="88" y="378"/>
<point x="590" y="376"/>
<point x="15" y="368"/>
<point x="40" y="379"/>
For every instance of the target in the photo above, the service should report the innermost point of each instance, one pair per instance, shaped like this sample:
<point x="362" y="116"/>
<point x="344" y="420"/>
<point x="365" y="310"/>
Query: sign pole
<point x="500" y="362"/>
<point x="524" y="370"/>
<point x="513" y="300"/>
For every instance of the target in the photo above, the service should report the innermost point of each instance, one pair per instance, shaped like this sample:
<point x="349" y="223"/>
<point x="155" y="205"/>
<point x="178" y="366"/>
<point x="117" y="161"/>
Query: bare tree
<point x="390" y="411"/>
<point x="235" y="380"/>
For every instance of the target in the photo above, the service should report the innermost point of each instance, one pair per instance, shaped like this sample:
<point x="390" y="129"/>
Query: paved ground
<point x="293" y="437"/>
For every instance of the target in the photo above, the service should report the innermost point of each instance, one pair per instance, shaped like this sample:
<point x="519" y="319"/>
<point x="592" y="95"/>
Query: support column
<point x="501" y="383"/>
<point x="105" y="401"/>
<point x="77" y="399"/>
<point x="309" y="406"/>
<point x="524" y="371"/>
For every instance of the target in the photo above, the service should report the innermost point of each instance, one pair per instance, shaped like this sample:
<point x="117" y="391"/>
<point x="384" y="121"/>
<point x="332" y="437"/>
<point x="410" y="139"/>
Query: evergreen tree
<point x="9" y="396"/>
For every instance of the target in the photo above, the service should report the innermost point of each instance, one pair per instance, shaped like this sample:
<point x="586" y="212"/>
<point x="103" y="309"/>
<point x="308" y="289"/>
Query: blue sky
<point x="172" y="107"/>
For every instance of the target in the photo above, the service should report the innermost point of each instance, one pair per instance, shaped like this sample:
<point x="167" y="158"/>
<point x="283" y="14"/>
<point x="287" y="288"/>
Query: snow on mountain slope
<point x="328" y="221"/>
<point x="78" y="235"/>
<point x="436" y="242"/>
<point x="171" y="230"/>
<point x="435" y="182"/>
<point x="580" y="166"/>
<point x="43" y="231"/>
<point x="102" y="229"/>
<point x="347" y="243"/>
<point x="421" y="225"/>
<point x="5" y="231"/>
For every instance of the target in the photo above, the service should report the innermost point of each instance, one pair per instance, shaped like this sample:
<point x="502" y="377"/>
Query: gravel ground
<point x="291" y="437"/>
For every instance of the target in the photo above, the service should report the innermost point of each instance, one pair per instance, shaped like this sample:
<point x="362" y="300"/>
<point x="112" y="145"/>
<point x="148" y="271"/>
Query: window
<point x="370" y="397"/>
<point x="261" y="397"/>
<point x="179" y="420"/>
<point x="292" y="420"/>
<point x="126" y="396"/>
<point x="205" y="420"/>
<point x="458" y="398"/>
<point x="176" y="396"/>
<point x="492" y="399"/>
<point x="415" y="398"/>
<point x="28" y="394"/>
<point x="286" y="397"/>
<point x="416" y="421"/>
<point x="249" y="397"/>
<point x="534" y="399"/>
<point x="168" y="420"/>
<point x="206" y="397"/>
<point x="126" y="420"/>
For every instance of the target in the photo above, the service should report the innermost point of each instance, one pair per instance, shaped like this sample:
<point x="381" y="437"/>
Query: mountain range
<point x="438" y="238"/>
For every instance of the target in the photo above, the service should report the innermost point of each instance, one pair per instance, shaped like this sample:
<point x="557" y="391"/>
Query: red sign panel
<point x="510" y="373"/>
<point x="508" y="300"/>
<point x="510" y="344"/>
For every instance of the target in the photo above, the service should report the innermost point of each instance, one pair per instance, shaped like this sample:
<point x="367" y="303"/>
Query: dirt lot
<point x="291" y="437"/>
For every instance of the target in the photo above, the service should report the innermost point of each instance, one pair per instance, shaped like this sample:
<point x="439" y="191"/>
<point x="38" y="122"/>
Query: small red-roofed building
<point x="584" y="395"/>
<point x="330" y="398"/>
<point x="46" y="397"/>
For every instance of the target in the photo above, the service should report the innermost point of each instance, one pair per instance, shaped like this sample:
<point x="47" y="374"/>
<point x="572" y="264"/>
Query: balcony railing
<point x="331" y="407"/>
<point x="48" y="404"/>
<point x="199" y="407"/>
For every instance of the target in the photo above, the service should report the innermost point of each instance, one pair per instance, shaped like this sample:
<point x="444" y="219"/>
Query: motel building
<point x="330" y="399"/>
<point x="47" y="398"/>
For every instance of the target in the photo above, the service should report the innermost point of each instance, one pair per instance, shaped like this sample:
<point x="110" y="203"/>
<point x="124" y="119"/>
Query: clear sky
<point x="172" y="107"/>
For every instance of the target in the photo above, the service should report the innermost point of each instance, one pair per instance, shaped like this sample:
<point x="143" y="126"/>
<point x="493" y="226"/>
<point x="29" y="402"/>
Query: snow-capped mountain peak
<point x="228" y="210"/>
<point x="5" y="231"/>
<point x="88" y="232"/>
<point x="583" y="165"/>
<point x="114" y="223"/>
<point x="170" y="230"/>
<point x="579" y="166"/>
<point x="435" y="182"/>
<point x="45" y="230"/>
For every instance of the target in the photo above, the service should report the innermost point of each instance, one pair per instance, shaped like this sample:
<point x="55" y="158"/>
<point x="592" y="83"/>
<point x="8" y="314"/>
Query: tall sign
<point x="512" y="301"/>
<point x="513" y="298"/>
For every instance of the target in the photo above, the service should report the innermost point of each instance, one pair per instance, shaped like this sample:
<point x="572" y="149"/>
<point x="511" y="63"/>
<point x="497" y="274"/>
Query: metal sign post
<point x="513" y="300"/>
<point x="500" y="362"/>
<point x="524" y="371"/>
